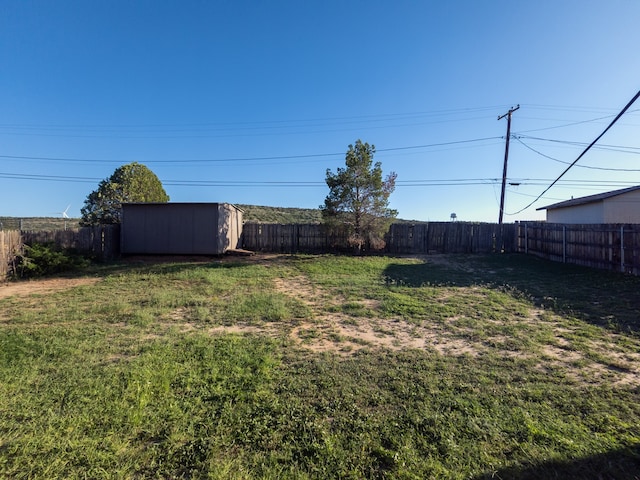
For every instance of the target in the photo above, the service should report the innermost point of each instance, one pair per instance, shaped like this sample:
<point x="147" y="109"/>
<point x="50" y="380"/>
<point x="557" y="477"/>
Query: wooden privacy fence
<point x="289" y="238"/>
<point x="10" y="246"/>
<point x="402" y="238"/>
<point x="604" y="246"/>
<point x="103" y="242"/>
<point x="450" y="237"/>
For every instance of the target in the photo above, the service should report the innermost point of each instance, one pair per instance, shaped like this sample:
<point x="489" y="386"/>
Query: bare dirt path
<point x="50" y="285"/>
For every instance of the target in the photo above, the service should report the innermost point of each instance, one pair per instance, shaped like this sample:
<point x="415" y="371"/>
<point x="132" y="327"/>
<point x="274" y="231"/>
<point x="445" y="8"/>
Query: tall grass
<point x="140" y="375"/>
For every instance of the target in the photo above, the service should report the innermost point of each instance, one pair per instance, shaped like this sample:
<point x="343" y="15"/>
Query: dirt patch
<point x="299" y="287"/>
<point x="332" y="328"/>
<point x="50" y="285"/>
<point x="344" y="334"/>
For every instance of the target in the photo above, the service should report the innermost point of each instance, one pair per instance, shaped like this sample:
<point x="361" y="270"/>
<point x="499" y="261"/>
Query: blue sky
<point x="251" y="101"/>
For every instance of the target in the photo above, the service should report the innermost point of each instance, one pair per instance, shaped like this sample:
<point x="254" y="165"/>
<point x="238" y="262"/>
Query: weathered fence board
<point x="289" y="238"/>
<point x="101" y="241"/>
<point x="10" y="246"/>
<point x="449" y="237"/>
<point x="613" y="247"/>
<point x="604" y="246"/>
<point x="402" y="238"/>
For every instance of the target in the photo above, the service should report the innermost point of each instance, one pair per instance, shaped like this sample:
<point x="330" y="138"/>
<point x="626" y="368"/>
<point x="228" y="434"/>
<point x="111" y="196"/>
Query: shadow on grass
<point x="621" y="464"/>
<point x="176" y="263"/>
<point x="179" y="264"/>
<point x="160" y="264"/>
<point x="603" y="298"/>
<point x="460" y="270"/>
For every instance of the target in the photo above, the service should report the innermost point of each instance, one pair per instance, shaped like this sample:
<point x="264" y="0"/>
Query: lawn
<point x="452" y="367"/>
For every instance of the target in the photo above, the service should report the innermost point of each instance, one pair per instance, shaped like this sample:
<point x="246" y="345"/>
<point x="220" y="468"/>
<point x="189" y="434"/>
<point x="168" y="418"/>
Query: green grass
<point x="190" y="370"/>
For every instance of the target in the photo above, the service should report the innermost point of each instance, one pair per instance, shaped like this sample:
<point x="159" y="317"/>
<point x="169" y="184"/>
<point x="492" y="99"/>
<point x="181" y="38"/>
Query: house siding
<point x="587" y="213"/>
<point x="619" y="208"/>
<point x="623" y="208"/>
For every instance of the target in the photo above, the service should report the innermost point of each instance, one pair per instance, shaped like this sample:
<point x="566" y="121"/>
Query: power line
<point x="203" y="160"/>
<point x="53" y="178"/>
<point x="610" y="169"/>
<point x="247" y="159"/>
<point x="619" y="148"/>
<point x="448" y="182"/>
<point x="211" y="130"/>
<point x="568" y="108"/>
<point x="253" y="124"/>
<point x="431" y="145"/>
<point x="571" y="124"/>
<point x="258" y="128"/>
<point x="604" y="146"/>
<point x="613" y="122"/>
<point x="305" y="121"/>
<point x="580" y="182"/>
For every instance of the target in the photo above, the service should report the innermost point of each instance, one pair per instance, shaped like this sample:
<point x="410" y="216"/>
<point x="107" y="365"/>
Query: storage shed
<point x="617" y="206"/>
<point x="179" y="228"/>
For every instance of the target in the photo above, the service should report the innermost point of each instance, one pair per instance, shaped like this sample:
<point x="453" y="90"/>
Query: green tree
<point x="358" y="200"/>
<point x="133" y="182"/>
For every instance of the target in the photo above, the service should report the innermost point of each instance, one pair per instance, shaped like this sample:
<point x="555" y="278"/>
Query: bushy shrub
<point x="44" y="259"/>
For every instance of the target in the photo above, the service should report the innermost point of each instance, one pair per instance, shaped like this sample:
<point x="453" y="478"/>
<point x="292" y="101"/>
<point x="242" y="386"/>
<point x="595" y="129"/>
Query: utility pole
<point x="506" y="158"/>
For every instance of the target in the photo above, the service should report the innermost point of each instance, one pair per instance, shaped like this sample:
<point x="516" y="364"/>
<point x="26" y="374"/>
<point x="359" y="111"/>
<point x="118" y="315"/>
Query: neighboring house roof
<point x="590" y="198"/>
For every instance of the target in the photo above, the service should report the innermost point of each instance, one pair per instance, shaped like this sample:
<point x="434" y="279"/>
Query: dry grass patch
<point x="345" y="334"/>
<point x="42" y="286"/>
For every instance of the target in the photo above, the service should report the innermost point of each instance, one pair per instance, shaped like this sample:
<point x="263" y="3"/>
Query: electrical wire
<point x="581" y="122"/>
<point x="608" y="147"/>
<point x="613" y="122"/>
<point x="456" y="182"/>
<point x="247" y="159"/>
<point x="257" y="124"/>
<point x="609" y="169"/>
<point x="53" y="178"/>
<point x="242" y="129"/>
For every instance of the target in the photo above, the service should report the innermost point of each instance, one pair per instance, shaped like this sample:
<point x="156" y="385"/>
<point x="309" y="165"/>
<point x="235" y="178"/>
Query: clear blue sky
<point x="251" y="101"/>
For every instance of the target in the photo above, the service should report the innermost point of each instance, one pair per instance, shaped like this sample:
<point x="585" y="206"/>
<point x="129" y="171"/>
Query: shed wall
<point x="229" y="227"/>
<point x="178" y="229"/>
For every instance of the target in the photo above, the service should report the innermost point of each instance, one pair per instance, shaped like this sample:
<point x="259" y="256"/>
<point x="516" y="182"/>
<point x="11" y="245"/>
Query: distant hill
<point x="256" y="213"/>
<point x="252" y="213"/>
<point x="38" y="223"/>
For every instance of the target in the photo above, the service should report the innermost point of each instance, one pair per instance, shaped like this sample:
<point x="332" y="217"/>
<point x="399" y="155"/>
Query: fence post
<point x="564" y="244"/>
<point x="426" y="238"/>
<point x="622" y="248"/>
<point x="611" y="248"/>
<point x="5" y="257"/>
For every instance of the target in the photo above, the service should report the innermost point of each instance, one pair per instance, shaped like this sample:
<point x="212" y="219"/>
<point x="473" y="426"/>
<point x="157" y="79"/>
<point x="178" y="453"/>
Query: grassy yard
<point x="447" y="367"/>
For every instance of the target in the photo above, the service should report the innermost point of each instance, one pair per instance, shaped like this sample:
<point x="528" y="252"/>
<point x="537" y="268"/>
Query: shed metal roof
<point x="589" y="198"/>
